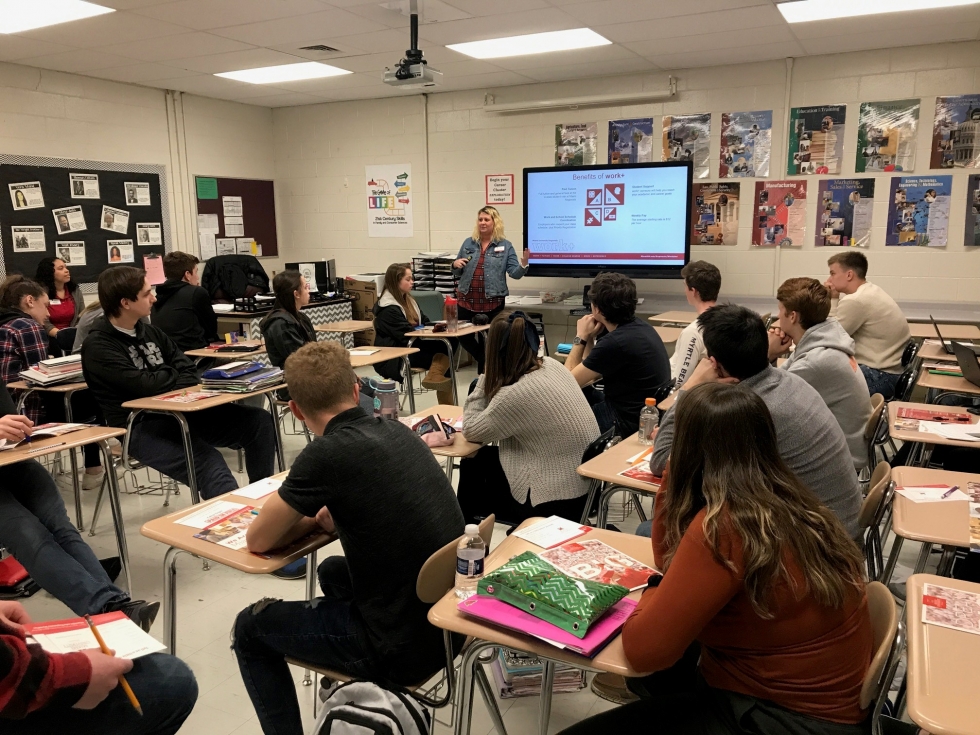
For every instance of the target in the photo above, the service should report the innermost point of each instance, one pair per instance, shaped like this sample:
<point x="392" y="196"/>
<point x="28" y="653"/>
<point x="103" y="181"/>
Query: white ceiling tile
<point x="497" y="7"/>
<point x="331" y="86"/>
<point x="882" y="26"/>
<point x="364" y="62"/>
<point x="598" y="69"/>
<point x="605" y="12"/>
<point x="79" y="60"/>
<point x="234" y="61"/>
<point x="481" y="81"/>
<point x="13" y="48"/>
<point x="563" y="58"/>
<point x="430" y="12"/>
<point x="908" y="37"/>
<point x="300" y="29"/>
<point x="512" y="24"/>
<point x="207" y="14"/>
<point x="131" y="4"/>
<point x="714" y="41"/>
<point x="361" y="43"/>
<point x="104" y="30"/>
<point x="212" y="86"/>
<point x="721" y="57"/>
<point x="758" y="16"/>
<point x="287" y="99"/>
<point x="141" y="73"/>
<point x="181" y="46"/>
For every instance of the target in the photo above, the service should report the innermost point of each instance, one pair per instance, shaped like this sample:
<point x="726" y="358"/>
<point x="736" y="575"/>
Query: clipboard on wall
<point x="153" y="265"/>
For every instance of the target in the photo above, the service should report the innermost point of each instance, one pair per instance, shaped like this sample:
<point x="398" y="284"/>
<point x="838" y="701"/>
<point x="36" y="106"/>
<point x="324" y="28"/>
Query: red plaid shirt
<point x="22" y="344"/>
<point x="476" y="300"/>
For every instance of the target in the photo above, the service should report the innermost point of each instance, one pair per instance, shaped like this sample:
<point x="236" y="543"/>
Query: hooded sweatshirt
<point x="120" y="368"/>
<point x="824" y="358"/>
<point x="184" y="312"/>
<point x="284" y="334"/>
<point x="391" y="324"/>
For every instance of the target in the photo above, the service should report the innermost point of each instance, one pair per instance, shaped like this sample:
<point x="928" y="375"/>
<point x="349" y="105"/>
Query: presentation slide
<point x="624" y="216"/>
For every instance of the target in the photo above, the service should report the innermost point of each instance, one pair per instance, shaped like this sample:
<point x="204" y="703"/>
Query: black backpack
<point x="230" y="277"/>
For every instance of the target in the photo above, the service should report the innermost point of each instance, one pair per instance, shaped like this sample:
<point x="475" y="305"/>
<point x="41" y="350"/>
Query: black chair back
<point x="911" y="350"/>
<point x="903" y="388"/>
<point x="663" y="391"/>
<point x="599" y="445"/>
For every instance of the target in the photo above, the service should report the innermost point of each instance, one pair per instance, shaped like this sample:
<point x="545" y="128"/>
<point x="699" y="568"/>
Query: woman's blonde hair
<point x="498" y="224"/>
<point x="393" y="277"/>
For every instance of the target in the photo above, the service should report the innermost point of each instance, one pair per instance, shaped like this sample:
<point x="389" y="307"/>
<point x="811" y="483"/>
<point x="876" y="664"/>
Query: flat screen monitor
<point x="324" y="272"/>
<point x="631" y="219"/>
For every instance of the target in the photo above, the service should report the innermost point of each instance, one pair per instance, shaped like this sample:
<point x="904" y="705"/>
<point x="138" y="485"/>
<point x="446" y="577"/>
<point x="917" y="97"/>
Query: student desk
<point x="926" y="440"/>
<point x="348" y="326"/>
<point x="444" y="337"/>
<point x="945" y="522"/>
<point x="383" y="354"/>
<point x="446" y="616"/>
<point x="938" y="386"/>
<point x="461" y="447"/>
<point x="207" y="352"/>
<point x="950" y="331"/>
<point x="668" y="335"/>
<point x="177" y="411"/>
<point x="674" y="317"/>
<point x="95" y="435"/>
<point x="606" y="468"/>
<point x="67" y="390"/>
<point x="932" y="351"/>
<point x="181" y="539"/>
<point x="941" y="691"/>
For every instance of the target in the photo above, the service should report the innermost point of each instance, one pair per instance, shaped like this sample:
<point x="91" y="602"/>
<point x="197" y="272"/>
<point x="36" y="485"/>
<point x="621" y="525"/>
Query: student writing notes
<point x="761" y="583"/>
<point x="702" y="281"/>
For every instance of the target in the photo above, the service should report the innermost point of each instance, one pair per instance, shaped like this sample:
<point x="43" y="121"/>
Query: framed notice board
<point x="239" y="210"/>
<point x="91" y="214"/>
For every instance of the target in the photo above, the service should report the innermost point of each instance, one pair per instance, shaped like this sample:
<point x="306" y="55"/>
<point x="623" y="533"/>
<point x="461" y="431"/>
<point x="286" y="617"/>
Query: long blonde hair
<point x="393" y="277"/>
<point x="498" y="224"/>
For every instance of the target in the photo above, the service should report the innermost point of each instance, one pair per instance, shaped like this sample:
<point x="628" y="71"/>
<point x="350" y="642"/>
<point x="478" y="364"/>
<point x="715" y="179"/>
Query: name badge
<point x="498" y="249"/>
<point x="55" y="302"/>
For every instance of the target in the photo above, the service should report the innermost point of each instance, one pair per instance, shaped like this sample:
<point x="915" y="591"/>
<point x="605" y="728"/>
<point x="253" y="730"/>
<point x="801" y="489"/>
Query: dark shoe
<point x="293" y="570"/>
<point x="612" y="688"/>
<point x="112" y="567"/>
<point x="141" y="612"/>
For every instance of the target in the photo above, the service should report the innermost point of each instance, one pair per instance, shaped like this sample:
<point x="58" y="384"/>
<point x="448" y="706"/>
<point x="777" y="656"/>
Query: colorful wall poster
<point x="714" y="216"/>
<point x="844" y="212"/>
<point x="918" y="211"/>
<point x="780" y="213"/>
<point x="973" y="211"/>
<point x="575" y="144"/>
<point x="631" y="141"/>
<point x="389" y="201"/>
<point x="886" y="136"/>
<point x="746" y="139"/>
<point x="816" y="139"/>
<point x="688" y="138"/>
<point x="956" y="132"/>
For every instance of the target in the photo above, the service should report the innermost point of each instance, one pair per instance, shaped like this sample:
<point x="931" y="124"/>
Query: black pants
<point x="484" y="489"/>
<point x="475" y="343"/>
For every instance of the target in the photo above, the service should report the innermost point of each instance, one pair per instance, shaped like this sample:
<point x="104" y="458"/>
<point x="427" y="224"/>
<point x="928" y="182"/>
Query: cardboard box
<point x="364" y="339"/>
<point x="364" y="289"/>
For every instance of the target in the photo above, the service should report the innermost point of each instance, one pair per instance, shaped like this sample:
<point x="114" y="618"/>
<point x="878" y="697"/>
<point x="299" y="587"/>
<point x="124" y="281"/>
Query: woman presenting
<point x="482" y="266"/>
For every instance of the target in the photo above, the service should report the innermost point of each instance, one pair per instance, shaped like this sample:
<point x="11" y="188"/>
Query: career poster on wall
<point x="816" y="139"/>
<point x="956" y="132"/>
<point x="844" y="212"/>
<point x="714" y="216"/>
<point x="575" y="144"/>
<point x="688" y="138"/>
<point x="973" y="211"/>
<point x="886" y="136"/>
<point x="389" y="200"/>
<point x="631" y="141"/>
<point x="918" y="211"/>
<point x="779" y="214"/>
<point x="746" y="138"/>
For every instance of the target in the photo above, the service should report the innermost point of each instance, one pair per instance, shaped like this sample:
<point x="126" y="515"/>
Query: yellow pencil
<point x="122" y="679"/>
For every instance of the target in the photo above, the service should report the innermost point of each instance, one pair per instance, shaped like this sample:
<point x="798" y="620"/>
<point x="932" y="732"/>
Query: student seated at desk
<point x="124" y="359"/>
<point x="872" y="318"/>
<point x="395" y="315"/>
<point x="625" y="352"/>
<point x="66" y="301"/>
<point x="53" y="693"/>
<point x="374" y="485"/>
<point x="534" y="408"/>
<point x="810" y="439"/>
<point x="702" y="282"/>
<point x="183" y="309"/>
<point x="286" y="328"/>
<point x="749" y="630"/>
<point x="824" y="358"/>
<point x="23" y="309"/>
<point x="90" y="313"/>
<point x="34" y="527"/>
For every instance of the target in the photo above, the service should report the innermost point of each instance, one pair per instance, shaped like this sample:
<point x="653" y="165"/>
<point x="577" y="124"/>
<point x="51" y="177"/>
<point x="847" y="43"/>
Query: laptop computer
<point x="586" y="303"/>
<point x="946" y="345"/>
<point x="968" y="363"/>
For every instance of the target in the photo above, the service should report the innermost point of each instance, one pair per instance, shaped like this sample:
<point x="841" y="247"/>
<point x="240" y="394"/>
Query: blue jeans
<point x="880" y="381"/>
<point x="166" y="690"/>
<point x="34" y="527"/>
<point x="322" y="632"/>
<point x="156" y="441"/>
<point x="644" y="529"/>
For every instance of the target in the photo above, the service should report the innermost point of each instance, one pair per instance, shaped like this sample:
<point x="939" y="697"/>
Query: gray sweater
<point x="543" y="424"/>
<point x="824" y="358"/>
<point x="810" y="441"/>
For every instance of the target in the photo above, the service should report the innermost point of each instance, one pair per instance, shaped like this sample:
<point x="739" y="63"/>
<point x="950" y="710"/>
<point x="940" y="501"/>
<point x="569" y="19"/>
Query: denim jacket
<point x="497" y="265"/>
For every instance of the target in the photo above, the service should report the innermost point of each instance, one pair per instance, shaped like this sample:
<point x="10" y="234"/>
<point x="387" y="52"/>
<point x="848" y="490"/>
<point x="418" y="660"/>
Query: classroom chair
<point x="603" y="442"/>
<point x="905" y="384"/>
<point x="872" y="427"/>
<point x="911" y="350"/>
<point x="872" y="513"/>
<point x="889" y="640"/>
<point x="436" y="578"/>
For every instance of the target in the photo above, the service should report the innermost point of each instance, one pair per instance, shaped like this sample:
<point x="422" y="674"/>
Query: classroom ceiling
<point x="180" y="45"/>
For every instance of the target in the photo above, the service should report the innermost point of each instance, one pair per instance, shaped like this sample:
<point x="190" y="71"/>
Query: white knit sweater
<point x="543" y="424"/>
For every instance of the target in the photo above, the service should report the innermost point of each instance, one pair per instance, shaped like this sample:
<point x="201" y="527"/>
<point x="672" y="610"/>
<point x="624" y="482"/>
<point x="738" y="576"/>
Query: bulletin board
<point x="258" y="211"/>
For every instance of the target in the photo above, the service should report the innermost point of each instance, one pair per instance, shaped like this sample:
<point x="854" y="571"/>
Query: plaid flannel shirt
<point x="22" y="344"/>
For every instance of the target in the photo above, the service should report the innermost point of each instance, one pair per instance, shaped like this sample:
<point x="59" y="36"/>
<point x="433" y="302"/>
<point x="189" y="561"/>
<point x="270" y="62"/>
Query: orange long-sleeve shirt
<point x="807" y="658"/>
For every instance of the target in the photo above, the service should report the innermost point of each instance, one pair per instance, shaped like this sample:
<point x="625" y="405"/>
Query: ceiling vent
<point x="319" y="47"/>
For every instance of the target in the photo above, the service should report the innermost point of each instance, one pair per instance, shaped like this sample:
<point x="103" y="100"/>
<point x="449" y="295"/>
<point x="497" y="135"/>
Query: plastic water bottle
<point x="452" y="316"/>
<point x="649" y="421"/>
<point x="385" y="399"/>
<point x="470" y="553"/>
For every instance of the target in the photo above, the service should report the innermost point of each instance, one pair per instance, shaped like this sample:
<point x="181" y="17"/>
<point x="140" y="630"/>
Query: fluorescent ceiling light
<point x="25" y="15"/>
<point x="807" y="10"/>
<point x="533" y="43"/>
<point x="284" y="73"/>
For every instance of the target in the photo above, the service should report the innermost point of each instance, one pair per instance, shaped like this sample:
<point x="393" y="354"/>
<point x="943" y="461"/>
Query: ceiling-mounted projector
<point x="413" y="71"/>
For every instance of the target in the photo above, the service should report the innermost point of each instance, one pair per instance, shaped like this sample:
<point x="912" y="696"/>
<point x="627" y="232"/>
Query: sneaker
<point x="92" y="482"/>
<point x="141" y="612"/>
<point x="112" y="567"/>
<point x="612" y="688"/>
<point x="294" y="570"/>
<point x="63" y="481"/>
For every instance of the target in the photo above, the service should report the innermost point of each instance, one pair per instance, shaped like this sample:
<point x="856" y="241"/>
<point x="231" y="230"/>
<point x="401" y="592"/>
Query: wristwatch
<point x="578" y="340"/>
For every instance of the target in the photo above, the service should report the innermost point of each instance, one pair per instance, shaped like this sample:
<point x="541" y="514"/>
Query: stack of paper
<point x="247" y="383"/>
<point x="931" y="493"/>
<point x="951" y="608"/>
<point x="120" y="634"/>
<point x="519" y="674"/>
<point x="958" y="432"/>
<point x="55" y="370"/>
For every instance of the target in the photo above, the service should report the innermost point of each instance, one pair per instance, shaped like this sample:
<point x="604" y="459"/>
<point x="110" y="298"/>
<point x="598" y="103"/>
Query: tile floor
<point x="208" y="601"/>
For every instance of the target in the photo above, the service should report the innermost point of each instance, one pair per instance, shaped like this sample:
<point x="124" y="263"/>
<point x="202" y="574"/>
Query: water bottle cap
<point x="451" y="300"/>
<point x="472" y="529"/>
<point x="651" y="402"/>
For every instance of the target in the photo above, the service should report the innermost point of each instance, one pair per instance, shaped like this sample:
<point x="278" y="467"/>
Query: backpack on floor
<point x="365" y="708"/>
<point x="15" y="582"/>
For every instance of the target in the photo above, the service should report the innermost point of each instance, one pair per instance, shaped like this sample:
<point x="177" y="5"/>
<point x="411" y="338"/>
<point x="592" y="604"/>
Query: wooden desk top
<point x="945" y="522"/>
<point x="209" y="352"/>
<point x="941" y="690"/>
<point x="946" y="383"/>
<point x="167" y="531"/>
<point x="668" y="334"/>
<point x="924" y="437"/>
<point x="674" y="317"/>
<point x="383" y="354"/>
<point x="427" y="333"/>
<point x="934" y="351"/>
<point x="346" y="326"/>
<point x="950" y="331"/>
<point x="607" y="466"/>
<point x="155" y="404"/>
<point x="52" y="444"/>
<point x="59" y="388"/>
<point x="461" y="446"/>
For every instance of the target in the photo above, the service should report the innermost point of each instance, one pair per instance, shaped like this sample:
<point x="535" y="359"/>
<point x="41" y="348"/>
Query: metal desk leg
<point x="310" y="594"/>
<point x="117" y="516"/>
<point x="411" y="386"/>
<point x="73" y="459"/>
<point x="185" y="432"/>
<point x="464" y="690"/>
<point x="920" y="563"/>
<point x="170" y="599"/>
<point x="886" y="575"/>
<point x="280" y="455"/>
<point x="547" y="684"/>
<point x="449" y="468"/>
